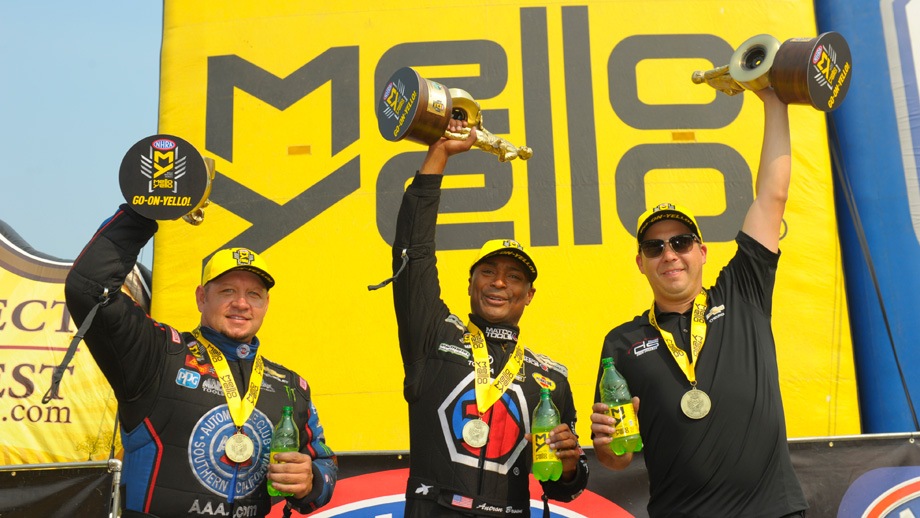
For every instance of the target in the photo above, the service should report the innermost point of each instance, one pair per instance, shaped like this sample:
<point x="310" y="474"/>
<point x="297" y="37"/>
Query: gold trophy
<point x="163" y="177"/>
<point x="812" y="71"/>
<point x="419" y="110"/>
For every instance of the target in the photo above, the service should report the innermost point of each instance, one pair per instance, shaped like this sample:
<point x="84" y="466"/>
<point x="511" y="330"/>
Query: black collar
<point x="496" y="333"/>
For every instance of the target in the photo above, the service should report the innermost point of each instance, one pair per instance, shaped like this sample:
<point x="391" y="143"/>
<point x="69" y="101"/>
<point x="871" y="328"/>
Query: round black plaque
<point x="163" y="177"/>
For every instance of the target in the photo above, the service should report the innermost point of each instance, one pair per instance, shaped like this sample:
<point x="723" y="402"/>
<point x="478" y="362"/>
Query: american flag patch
<point x="462" y="501"/>
<point x="303" y="383"/>
<point x="175" y="336"/>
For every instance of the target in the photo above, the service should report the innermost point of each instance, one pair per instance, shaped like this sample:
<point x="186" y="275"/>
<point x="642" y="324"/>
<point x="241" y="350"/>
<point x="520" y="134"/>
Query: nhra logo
<point x="506" y="442"/>
<point x="884" y="492"/>
<point x="163" y="144"/>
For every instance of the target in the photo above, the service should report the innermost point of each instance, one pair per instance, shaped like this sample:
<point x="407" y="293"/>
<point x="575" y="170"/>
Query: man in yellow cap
<point x="701" y="363"/>
<point x="197" y="408"/>
<point x="470" y="383"/>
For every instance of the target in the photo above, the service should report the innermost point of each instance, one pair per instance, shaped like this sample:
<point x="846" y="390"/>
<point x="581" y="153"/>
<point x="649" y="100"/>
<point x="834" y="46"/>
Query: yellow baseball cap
<point x="506" y="247"/>
<point x="236" y="259"/>
<point x="664" y="211"/>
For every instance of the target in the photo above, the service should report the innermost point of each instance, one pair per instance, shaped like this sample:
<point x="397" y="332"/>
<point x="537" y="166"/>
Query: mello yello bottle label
<point x="625" y="422"/>
<point x="541" y="450"/>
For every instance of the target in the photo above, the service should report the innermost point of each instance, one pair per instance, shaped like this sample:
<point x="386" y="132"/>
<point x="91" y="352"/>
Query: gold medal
<point x="476" y="433"/>
<point x="695" y="403"/>
<point x="239" y="448"/>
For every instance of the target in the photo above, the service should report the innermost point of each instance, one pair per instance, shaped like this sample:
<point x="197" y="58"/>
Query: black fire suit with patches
<point x="173" y="413"/>
<point x="446" y="476"/>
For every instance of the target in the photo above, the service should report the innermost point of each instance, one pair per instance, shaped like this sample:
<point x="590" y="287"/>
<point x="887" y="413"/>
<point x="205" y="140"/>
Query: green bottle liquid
<point x="615" y="394"/>
<point x="284" y="438"/>
<point x="546" y="466"/>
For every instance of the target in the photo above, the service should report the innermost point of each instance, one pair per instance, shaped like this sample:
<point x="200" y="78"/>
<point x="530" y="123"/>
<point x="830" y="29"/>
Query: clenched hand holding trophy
<point x="419" y="110"/>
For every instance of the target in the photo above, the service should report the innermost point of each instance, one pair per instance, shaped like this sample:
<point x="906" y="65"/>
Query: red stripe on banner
<point x="894" y="498"/>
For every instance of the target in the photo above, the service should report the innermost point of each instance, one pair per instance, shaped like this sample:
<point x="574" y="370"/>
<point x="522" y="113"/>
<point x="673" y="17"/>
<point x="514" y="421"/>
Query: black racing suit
<point x="448" y="477"/>
<point x="174" y="416"/>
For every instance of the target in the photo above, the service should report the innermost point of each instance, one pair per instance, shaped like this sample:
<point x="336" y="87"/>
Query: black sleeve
<point x="126" y="344"/>
<point x="416" y="291"/>
<point x="754" y="267"/>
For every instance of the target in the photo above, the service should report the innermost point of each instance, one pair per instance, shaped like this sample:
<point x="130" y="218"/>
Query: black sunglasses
<point x="681" y="244"/>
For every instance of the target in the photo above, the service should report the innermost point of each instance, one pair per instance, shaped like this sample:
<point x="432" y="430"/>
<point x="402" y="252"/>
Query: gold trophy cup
<point x="813" y="71"/>
<point x="419" y="110"/>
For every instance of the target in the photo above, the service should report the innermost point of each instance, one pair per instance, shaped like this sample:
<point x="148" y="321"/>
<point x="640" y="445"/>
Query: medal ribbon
<point x="240" y="408"/>
<point x="489" y="391"/>
<point x="697" y="337"/>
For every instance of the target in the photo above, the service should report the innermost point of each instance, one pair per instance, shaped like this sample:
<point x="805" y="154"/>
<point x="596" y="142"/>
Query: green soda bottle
<point x="615" y="394"/>
<point x="546" y="466"/>
<point x="284" y="438"/>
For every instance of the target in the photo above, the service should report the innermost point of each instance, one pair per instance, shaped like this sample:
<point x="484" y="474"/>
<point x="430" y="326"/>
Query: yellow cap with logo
<point x="236" y="259"/>
<point x="664" y="211"/>
<point x="506" y="247"/>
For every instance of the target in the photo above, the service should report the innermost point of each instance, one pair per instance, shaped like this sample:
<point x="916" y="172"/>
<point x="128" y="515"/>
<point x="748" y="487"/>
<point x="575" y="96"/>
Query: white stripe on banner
<point x="901" y="25"/>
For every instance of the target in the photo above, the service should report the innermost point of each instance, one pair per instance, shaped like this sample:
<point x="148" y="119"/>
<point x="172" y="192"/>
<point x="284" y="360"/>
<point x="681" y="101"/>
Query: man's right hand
<point x="444" y="148"/>
<point x="602" y="429"/>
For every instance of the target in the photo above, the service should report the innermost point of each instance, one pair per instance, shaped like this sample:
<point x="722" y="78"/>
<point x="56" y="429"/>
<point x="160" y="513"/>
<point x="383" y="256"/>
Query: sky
<point x="79" y="85"/>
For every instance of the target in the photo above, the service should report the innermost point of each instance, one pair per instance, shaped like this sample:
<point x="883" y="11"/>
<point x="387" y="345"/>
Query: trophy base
<point x="413" y="108"/>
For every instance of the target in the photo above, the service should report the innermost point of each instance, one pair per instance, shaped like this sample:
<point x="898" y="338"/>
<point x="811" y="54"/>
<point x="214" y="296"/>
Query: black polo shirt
<point x="735" y="461"/>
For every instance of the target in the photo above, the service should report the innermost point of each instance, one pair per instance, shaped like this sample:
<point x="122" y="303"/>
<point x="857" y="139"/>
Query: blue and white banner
<point x="901" y="26"/>
<point x="876" y="134"/>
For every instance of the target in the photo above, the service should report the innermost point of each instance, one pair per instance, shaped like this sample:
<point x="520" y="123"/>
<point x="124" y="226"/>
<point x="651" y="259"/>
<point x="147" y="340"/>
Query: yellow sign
<point x="600" y="90"/>
<point x="78" y="423"/>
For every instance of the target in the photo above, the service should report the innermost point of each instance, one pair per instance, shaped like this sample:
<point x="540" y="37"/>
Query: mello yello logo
<point x="338" y="69"/>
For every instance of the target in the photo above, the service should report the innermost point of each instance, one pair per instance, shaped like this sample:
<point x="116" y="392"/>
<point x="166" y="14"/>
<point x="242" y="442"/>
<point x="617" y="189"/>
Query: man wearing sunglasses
<point x="701" y="363"/>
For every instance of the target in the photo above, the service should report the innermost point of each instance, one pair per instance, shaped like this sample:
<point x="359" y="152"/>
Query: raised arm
<point x="416" y="290"/>
<point x="126" y="344"/>
<point x="764" y="218"/>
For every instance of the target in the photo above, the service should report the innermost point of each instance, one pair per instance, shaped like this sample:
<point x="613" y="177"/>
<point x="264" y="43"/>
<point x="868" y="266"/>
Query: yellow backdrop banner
<point x="283" y="96"/>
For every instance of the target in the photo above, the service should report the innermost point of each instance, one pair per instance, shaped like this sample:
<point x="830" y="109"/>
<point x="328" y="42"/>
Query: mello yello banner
<point x="283" y="97"/>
